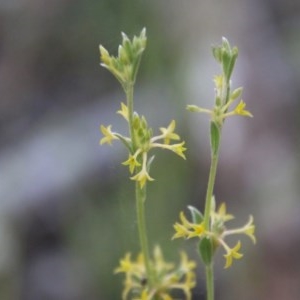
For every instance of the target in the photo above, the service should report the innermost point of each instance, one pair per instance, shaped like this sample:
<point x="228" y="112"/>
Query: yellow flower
<point x="198" y="230"/>
<point x="231" y="253"/>
<point x="108" y="135"/>
<point x="248" y="229"/>
<point x="180" y="231"/>
<point x="187" y="229"/>
<point x="166" y="277"/>
<point x="168" y="133"/>
<point x="132" y="162"/>
<point x="185" y="264"/>
<point x="125" y="265"/>
<point x="240" y="110"/>
<point x="123" y="111"/>
<point x="142" y="177"/>
<point x="178" y="149"/>
<point x="221" y="214"/>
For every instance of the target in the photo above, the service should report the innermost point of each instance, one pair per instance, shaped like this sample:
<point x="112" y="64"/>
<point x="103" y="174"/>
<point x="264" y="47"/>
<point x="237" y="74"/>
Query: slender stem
<point x="140" y="194"/>
<point x="129" y="97"/>
<point x="210" y="188"/>
<point x="210" y="282"/>
<point x="209" y="271"/>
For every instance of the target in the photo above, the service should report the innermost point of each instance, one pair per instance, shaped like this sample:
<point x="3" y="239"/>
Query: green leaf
<point x="197" y="216"/>
<point x="206" y="250"/>
<point x="214" y="137"/>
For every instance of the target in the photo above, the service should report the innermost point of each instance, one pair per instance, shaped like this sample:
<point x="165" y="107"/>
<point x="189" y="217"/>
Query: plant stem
<point x="209" y="271"/>
<point x="129" y="97"/>
<point x="210" y="187"/>
<point x="140" y="194"/>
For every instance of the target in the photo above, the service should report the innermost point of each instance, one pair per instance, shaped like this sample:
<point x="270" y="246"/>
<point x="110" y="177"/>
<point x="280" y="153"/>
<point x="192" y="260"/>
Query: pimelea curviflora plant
<point x="146" y="277"/>
<point x="211" y="226"/>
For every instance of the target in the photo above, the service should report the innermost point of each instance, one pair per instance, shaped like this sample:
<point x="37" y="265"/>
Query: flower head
<point x="123" y="111"/>
<point x="232" y="253"/>
<point x="240" y="110"/>
<point x="132" y="161"/>
<point x="187" y="229"/>
<point x="168" y="133"/>
<point x="108" y="135"/>
<point x="142" y="177"/>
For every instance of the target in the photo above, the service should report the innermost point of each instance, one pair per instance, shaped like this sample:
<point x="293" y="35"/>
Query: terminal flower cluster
<point x="141" y="140"/>
<point x="167" y="277"/>
<point x="217" y="231"/>
<point x="224" y="98"/>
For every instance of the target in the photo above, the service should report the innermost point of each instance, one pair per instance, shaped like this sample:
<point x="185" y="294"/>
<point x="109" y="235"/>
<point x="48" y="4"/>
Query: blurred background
<point x="66" y="204"/>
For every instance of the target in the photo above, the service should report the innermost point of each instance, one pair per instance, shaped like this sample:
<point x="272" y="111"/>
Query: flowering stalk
<point x="145" y="278"/>
<point x="210" y="227"/>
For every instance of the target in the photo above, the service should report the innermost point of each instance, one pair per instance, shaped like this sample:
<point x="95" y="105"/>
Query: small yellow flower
<point x="123" y="111"/>
<point x="221" y="214"/>
<point x="232" y="253"/>
<point x="180" y="231"/>
<point x="132" y="162"/>
<point x="108" y="135"/>
<point x="126" y="265"/>
<point x="159" y="261"/>
<point x="248" y="229"/>
<point x="178" y="149"/>
<point x="198" y="230"/>
<point x="185" y="264"/>
<point x="166" y="277"/>
<point x="240" y="110"/>
<point x="142" y="177"/>
<point x="168" y="133"/>
<point x="187" y="229"/>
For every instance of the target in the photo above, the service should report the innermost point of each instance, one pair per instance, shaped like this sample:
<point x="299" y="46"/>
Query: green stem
<point x="210" y="282"/>
<point x="209" y="271"/>
<point x="129" y="97"/>
<point x="140" y="194"/>
<point x="210" y="188"/>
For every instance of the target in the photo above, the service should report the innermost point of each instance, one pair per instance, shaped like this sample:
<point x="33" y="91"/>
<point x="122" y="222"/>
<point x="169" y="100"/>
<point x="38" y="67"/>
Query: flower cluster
<point x="167" y="277"/>
<point x="138" y="158"/>
<point x="141" y="140"/>
<point x="224" y="98"/>
<point x="220" y="112"/>
<point x="125" y="66"/>
<point x="217" y="231"/>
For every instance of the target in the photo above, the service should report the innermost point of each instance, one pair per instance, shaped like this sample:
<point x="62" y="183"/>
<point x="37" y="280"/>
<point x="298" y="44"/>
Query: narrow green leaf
<point x="214" y="137"/>
<point x="206" y="250"/>
<point x="197" y="216"/>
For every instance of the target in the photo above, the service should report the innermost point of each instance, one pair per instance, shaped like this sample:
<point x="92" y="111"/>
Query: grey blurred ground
<point x="66" y="205"/>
